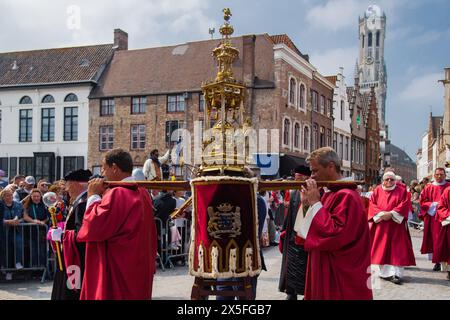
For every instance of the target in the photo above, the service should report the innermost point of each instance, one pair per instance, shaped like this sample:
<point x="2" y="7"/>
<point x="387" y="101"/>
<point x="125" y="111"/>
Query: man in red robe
<point x="442" y="248"/>
<point x="429" y="199"/>
<point x="120" y="234"/>
<point x="336" y="235"/>
<point x="391" y="243"/>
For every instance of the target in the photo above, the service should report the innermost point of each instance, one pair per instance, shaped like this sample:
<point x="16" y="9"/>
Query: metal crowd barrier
<point x="168" y="250"/>
<point x="160" y="231"/>
<point x="25" y="244"/>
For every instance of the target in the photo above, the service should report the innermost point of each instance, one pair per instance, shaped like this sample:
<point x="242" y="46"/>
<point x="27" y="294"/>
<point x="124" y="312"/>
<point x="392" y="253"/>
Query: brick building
<point x="373" y="155"/>
<point x="321" y="117"/>
<point x="145" y="95"/>
<point x="44" y="108"/>
<point x="358" y="130"/>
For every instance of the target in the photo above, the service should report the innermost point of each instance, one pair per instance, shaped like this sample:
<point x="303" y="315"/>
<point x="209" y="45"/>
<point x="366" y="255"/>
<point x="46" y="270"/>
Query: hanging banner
<point x="224" y="234"/>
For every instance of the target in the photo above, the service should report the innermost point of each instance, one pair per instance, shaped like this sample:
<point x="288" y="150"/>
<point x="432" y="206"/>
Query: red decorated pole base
<point x="224" y="240"/>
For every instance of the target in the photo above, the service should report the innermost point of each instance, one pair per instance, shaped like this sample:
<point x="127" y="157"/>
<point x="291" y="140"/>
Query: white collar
<point x="439" y="184"/>
<point x="130" y="178"/>
<point x="389" y="189"/>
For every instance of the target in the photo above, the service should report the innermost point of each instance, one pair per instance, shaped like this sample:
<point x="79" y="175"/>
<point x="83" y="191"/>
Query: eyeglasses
<point x="389" y="180"/>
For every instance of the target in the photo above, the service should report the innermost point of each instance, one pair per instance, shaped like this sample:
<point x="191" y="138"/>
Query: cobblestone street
<point x="421" y="283"/>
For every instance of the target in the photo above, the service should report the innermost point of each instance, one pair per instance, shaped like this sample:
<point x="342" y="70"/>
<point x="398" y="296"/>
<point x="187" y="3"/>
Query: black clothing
<point x="164" y="204"/>
<point x="294" y="261"/>
<point x="22" y="193"/>
<point x="74" y="222"/>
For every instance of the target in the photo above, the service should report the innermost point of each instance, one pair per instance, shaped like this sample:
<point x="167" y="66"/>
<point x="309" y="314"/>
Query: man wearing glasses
<point x="389" y="235"/>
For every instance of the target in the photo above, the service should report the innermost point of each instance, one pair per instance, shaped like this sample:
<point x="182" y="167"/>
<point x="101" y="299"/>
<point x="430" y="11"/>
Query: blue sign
<point x="268" y="163"/>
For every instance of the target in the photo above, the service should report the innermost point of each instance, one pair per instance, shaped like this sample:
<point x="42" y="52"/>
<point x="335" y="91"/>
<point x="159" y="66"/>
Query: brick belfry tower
<point x="371" y="68"/>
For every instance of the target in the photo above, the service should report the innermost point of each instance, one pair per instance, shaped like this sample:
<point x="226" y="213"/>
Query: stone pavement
<point x="421" y="283"/>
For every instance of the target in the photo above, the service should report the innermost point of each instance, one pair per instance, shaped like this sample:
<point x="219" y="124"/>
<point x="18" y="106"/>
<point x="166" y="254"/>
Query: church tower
<point x="371" y="64"/>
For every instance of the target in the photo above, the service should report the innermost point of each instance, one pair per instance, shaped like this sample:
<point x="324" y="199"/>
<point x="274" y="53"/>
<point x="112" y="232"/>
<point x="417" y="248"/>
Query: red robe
<point x="391" y="242"/>
<point x="431" y="193"/>
<point x="442" y="249"/>
<point x="120" y="236"/>
<point x="338" y="244"/>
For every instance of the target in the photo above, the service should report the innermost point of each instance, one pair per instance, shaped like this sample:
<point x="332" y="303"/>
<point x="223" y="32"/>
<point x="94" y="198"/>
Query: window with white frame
<point x="292" y="89"/>
<point x="328" y="137"/>
<point x="335" y="142"/>
<point x="322" y="137"/>
<point x="138" y="137"/>
<point x="71" y="124"/>
<point x="48" y="124"/>
<point x="286" y="132"/>
<point x="26" y="125"/>
<point x="347" y="142"/>
<point x="342" y="110"/>
<point x="176" y="103"/>
<point x="297" y="135"/>
<point x="315" y="137"/>
<point x="322" y="104"/>
<point x="138" y="105"/>
<point x="314" y="100"/>
<point x="48" y="99"/>
<point x="302" y="95"/>
<point x="306" y="138"/>
<point x="107" y="107"/>
<point x="106" y="138"/>
<point x="71" y="97"/>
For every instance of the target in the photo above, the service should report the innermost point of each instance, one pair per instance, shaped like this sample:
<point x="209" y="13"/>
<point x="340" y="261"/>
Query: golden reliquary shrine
<point x="224" y="234"/>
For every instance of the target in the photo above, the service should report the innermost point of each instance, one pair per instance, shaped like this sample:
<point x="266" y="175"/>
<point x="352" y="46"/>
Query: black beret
<point x="78" y="175"/>
<point x="304" y="170"/>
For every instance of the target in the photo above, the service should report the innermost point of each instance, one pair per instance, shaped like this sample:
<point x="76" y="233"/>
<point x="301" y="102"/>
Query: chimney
<point x="120" y="39"/>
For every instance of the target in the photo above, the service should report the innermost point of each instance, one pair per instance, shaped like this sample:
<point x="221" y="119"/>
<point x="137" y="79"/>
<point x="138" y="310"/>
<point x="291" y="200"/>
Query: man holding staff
<point x="120" y="234"/>
<point x="336" y="235"/>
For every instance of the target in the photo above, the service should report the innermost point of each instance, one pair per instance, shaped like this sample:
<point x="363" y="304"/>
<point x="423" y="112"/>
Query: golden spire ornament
<point x="224" y="111"/>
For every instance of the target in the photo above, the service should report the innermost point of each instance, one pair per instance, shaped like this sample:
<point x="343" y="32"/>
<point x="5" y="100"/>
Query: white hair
<point x="389" y="174"/>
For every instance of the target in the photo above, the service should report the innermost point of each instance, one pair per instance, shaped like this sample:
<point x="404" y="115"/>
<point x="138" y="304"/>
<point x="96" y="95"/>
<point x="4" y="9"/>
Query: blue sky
<point x="417" y="42"/>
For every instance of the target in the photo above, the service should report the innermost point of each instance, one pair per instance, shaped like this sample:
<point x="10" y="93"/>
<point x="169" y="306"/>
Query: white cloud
<point x="44" y="23"/>
<point x="329" y="61"/>
<point x="424" y="89"/>
<point x="335" y="15"/>
<point x="428" y="37"/>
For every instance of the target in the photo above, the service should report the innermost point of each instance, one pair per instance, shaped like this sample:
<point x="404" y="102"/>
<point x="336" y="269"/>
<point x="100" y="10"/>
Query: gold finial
<point x="226" y="30"/>
<point x="224" y="110"/>
<point x="227" y="14"/>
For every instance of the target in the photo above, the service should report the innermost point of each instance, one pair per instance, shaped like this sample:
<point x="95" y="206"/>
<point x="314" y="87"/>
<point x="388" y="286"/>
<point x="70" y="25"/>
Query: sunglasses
<point x="389" y="179"/>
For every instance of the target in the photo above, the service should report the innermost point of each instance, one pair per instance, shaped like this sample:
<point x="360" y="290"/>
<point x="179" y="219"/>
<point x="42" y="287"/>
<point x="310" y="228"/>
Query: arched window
<point x="292" y="87"/>
<point x="286" y="131"/>
<point x="26" y="100"/>
<point x="315" y="137"/>
<point x="370" y="39"/>
<point x="322" y="137"/>
<point x="302" y="96"/>
<point x="297" y="136"/>
<point x="71" y="98"/>
<point x="306" y="138"/>
<point x="48" y="99"/>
